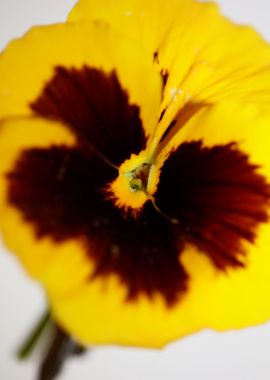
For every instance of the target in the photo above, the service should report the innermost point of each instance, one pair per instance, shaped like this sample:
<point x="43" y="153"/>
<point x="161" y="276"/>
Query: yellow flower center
<point x="136" y="182"/>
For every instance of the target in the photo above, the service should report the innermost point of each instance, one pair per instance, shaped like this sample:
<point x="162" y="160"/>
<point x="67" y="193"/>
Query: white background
<point x="241" y="355"/>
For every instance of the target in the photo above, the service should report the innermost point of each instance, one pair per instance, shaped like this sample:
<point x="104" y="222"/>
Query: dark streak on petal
<point x="155" y="57"/>
<point x="168" y="130"/>
<point x="162" y="115"/>
<point x="165" y="76"/>
<point x="182" y="117"/>
<point x="95" y="106"/>
<point x="218" y="197"/>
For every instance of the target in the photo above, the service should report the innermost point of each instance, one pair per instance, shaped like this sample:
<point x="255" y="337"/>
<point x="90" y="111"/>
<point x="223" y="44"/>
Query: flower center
<point x="136" y="182"/>
<point x="138" y="178"/>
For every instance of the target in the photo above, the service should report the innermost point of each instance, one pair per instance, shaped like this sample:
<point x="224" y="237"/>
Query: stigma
<point x="138" y="177"/>
<point x="135" y="182"/>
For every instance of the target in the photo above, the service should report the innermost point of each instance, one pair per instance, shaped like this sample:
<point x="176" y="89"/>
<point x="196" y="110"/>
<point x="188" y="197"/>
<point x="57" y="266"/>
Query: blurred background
<point x="239" y="355"/>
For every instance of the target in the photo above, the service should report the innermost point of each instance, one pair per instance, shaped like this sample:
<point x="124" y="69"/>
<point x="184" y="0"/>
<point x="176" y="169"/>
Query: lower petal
<point x="216" y="300"/>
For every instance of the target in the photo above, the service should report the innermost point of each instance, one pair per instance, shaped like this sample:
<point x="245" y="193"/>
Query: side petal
<point x="29" y="63"/>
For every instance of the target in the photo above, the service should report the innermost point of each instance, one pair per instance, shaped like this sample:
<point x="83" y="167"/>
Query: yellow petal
<point x="148" y="22"/>
<point x="29" y="63"/>
<point x="207" y="57"/>
<point x="45" y="260"/>
<point x="214" y="300"/>
<point x="226" y="123"/>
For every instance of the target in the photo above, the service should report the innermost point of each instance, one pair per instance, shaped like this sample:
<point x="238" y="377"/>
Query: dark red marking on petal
<point x="155" y="57"/>
<point x="165" y="75"/>
<point x="143" y="252"/>
<point x="96" y="107"/>
<point x="218" y="196"/>
<point x="162" y="115"/>
<point x="182" y="117"/>
<point x="168" y="130"/>
<point x="60" y="191"/>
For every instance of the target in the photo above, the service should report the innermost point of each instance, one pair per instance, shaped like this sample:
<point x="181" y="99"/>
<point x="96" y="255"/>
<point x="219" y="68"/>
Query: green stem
<point x="29" y="344"/>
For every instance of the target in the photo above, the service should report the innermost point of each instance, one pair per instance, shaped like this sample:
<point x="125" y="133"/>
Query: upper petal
<point x="29" y="63"/>
<point x="203" y="57"/>
<point x="148" y="22"/>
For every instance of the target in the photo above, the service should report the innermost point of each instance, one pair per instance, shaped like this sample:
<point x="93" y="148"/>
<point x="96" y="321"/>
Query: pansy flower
<point x="134" y="172"/>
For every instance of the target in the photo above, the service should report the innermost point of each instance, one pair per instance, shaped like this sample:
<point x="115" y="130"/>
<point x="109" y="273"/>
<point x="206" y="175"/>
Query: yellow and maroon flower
<point x="140" y="204"/>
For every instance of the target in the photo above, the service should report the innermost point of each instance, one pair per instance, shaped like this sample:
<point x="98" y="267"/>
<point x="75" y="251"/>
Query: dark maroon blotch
<point x="96" y="107"/>
<point x="61" y="192"/>
<point x="218" y="197"/>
